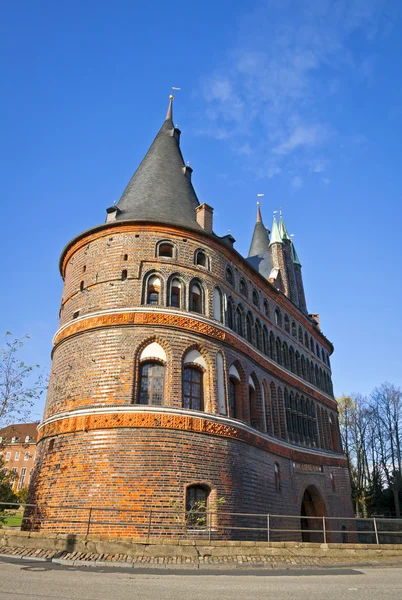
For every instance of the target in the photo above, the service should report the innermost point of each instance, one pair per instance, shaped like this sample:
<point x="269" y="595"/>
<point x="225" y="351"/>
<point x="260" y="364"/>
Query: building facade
<point x="17" y="450"/>
<point x="183" y="371"/>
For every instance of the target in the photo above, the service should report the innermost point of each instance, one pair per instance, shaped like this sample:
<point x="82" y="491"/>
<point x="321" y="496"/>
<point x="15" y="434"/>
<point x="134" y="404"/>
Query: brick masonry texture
<point x="115" y="460"/>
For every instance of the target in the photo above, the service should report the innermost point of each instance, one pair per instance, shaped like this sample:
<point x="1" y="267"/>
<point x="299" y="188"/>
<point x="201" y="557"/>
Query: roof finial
<point x="169" y="114"/>
<point x="259" y="218"/>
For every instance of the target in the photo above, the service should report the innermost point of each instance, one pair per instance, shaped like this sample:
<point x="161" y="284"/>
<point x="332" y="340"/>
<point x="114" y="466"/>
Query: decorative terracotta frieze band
<point x="146" y="420"/>
<point x="187" y="323"/>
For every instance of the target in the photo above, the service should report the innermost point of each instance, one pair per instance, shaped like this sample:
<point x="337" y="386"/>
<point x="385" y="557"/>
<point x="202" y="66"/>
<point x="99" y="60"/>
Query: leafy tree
<point x="18" y="392"/>
<point x="6" y="492"/>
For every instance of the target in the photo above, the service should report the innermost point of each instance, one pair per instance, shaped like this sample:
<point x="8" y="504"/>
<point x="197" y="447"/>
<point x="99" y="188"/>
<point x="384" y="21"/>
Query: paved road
<point x="27" y="580"/>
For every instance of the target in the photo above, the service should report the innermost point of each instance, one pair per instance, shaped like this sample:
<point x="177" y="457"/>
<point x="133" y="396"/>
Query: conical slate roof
<point x="295" y="258"/>
<point x="259" y="255"/>
<point x="161" y="190"/>
<point x="260" y="241"/>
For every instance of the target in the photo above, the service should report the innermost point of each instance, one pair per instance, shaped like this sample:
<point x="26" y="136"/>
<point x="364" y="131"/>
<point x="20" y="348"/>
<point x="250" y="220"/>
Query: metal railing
<point x="211" y="525"/>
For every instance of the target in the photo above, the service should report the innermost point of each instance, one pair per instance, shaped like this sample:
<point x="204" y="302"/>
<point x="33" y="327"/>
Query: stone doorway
<point x="312" y="506"/>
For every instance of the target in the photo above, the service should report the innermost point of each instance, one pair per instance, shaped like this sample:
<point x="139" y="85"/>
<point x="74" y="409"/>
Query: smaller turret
<point x="288" y="259"/>
<point x="259" y="255"/>
<point x="299" y="279"/>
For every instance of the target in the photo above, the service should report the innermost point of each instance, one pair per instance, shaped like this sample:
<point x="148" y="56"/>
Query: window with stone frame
<point x="151" y="383"/>
<point x="193" y="388"/>
<point x="153" y="290"/>
<point x="175" y="292"/>
<point x="278" y="317"/>
<point x="201" y="259"/>
<point x="197" y="505"/>
<point x="165" y="249"/>
<point x="196" y="298"/>
<point x="243" y="287"/>
<point x="229" y="276"/>
<point x="287" y="324"/>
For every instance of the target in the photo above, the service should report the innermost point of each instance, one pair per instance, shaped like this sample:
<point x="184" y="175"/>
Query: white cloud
<point x="296" y="182"/>
<point x="272" y="87"/>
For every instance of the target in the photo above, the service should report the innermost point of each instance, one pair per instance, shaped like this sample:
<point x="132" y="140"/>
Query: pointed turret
<point x="260" y="240"/>
<point x="289" y="275"/>
<point x="259" y="255"/>
<point x="160" y="190"/>
<point x="276" y="237"/>
<point x="282" y="229"/>
<point x="299" y="279"/>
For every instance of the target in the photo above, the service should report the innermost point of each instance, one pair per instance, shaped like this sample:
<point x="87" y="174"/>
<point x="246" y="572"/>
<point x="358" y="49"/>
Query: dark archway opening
<point x="312" y="513"/>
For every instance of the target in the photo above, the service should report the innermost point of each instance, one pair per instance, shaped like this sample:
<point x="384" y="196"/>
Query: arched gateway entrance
<point x="313" y="507"/>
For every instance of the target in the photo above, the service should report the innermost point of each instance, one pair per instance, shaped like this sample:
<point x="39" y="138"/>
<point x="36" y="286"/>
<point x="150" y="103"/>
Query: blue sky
<point x="298" y="99"/>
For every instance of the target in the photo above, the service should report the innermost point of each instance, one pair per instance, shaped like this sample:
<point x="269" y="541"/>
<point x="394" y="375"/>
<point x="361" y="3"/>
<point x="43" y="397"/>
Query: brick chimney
<point x="204" y="216"/>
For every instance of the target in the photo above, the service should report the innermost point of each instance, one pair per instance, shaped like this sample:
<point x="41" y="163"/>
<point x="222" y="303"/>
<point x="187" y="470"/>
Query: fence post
<point x="149" y="525"/>
<point x="376" y="531"/>
<point x="268" y="529"/>
<point x="324" y="530"/>
<point x="89" y="519"/>
<point x="209" y="527"/>
<point x="34" y="517"/>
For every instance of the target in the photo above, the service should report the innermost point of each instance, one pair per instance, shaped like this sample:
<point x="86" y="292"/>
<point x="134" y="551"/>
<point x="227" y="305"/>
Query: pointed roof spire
<point x="259" y="218"/>
<point x="295" y="258"/>
<point x="169" y="114"/>
<point x="161" y="190"/>
<point x="282" y="228"/>
<point x="260" y="241"/>
<point x="276" y="237"/>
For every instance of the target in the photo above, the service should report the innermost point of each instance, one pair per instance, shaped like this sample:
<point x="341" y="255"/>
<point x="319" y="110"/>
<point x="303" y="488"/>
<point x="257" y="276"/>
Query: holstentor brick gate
<point x="183" y="372"/>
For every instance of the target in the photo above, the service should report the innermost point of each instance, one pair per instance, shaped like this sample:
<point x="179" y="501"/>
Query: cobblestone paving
<point x="90" y="559"/>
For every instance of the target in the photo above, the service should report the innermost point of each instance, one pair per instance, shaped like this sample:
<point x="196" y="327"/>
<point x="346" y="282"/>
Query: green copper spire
<point x="275" y="235"/>
<point x="295" y="258"/>
<point x="282" y="228"/>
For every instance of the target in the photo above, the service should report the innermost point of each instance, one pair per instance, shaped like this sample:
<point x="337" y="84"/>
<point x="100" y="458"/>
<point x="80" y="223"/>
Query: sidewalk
<point x="207" y="562"/>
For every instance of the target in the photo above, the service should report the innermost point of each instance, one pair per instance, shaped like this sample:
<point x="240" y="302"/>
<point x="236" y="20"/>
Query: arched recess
<point x="153" y="288"/>
<point x="220" y="384"/>
<point x="312" y="512"/>
<point x="197" y="297"/>
<point x="153" y="349"/>
<point x="218" y="305"/>
<point x="197" y="358"/>
<point x="254" y="401"/>
<point x="176" y="291"/>
<point x="268" y="408"/>
<point x="236" y="391"/>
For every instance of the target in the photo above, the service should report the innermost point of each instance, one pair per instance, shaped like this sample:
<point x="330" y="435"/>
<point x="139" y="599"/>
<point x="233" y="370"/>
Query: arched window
<point x="243" y="287"/>
<point x="252" y="404"/>
<point x="218" y="305"/>
<point x="201" y="259"/>
<point x="256" y="301"/>
<point x="278" y="351"/>
<point x="258" y="341"/>
<point x="124" y="275"/>
<point x="292" y="363"/>
<point x="192" y="388"/>
<point x="249" y="328"/>
<point x="272" y="353"/>
<point x="285" y="355"/>
<point x="176" y="288"/>
<point x="234" y="385"/>
<point x="298" y="364"/>
<point x="151" y="383"/>
<point x="265" y="340"/>
<point x="317" y="350"/>
<point x="287" y="324"/>
<point x="81" y="286"/>
<point x="311" y="345"/>
<point x="153" y="290"/>
<point x="266" y="309"/>
<point x="196" y="506"/>
<point x="305" y="339"/>
<point x="277" y="474"/>
<point x="239" y="321"/>
<point x="165" y="249"/>
<point x="278" y="317"/>
<point x="303" y="367"/>
<point x="229" y="276"/>
<point x="300" y="335"/>
<point x="294" y="329"/>
<point x="229" y="314"/>
<point x="196" y="298"/>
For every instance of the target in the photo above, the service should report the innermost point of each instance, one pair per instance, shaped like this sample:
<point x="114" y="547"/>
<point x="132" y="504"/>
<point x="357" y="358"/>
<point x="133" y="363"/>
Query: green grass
<point x="13" y="520"/>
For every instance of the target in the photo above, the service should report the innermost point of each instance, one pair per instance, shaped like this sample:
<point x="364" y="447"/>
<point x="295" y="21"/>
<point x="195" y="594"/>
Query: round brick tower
<point x="183" y="372"/>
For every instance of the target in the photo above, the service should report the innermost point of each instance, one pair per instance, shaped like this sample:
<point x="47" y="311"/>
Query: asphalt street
<point x="28" y="580"/>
